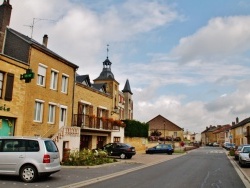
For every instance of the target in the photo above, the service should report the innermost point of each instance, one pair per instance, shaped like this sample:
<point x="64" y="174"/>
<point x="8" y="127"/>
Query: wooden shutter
<point x="91" y="110"/>
<point x="9" y="87"/>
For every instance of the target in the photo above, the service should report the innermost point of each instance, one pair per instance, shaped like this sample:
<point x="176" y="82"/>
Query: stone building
<point x="165" y="129"/>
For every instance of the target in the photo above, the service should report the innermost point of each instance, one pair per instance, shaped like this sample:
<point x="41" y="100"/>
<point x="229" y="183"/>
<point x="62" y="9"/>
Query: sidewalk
<point x="244" y="172"/>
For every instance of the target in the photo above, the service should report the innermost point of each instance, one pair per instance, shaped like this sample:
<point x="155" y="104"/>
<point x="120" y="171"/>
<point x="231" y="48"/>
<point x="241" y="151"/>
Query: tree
<point x="136" y="129"/>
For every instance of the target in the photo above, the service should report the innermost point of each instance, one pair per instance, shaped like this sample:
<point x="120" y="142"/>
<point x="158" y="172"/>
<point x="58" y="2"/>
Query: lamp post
<point x="164" y="132"/>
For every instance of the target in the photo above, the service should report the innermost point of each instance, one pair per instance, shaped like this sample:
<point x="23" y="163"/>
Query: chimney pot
<point x="45" y="40"/>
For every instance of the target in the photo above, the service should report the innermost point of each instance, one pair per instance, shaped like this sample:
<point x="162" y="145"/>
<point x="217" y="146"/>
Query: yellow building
<point x="48" y="96"/>
<point x="12" y="96"/>
<point x="241" y="132"/>
<point x="99" y="108"/>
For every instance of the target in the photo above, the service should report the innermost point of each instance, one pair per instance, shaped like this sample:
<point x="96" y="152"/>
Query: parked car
<point x="119" y="149"/>
<point x="244" y="158"/>
<point x="161" y="148"/>
<point x="229" y="146"/>
<point x="215" y="144"/>
<point x="237" y="151"/>
<point x="225" y="143"/>
<point x="28" y="157"/>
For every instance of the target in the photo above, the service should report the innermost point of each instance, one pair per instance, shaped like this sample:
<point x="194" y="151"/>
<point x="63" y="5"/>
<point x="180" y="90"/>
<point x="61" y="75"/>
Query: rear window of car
<point x="50" y="146"/>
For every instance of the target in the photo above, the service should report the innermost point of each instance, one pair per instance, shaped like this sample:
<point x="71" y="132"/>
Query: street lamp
<point x="164" y="132"/>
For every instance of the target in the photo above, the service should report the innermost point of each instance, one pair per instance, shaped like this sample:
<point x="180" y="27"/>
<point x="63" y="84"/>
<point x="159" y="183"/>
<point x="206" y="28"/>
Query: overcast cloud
<point x="192" y="69"/>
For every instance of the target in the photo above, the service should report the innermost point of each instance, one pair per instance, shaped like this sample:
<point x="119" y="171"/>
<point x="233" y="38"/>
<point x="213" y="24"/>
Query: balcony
<point x="96" y="123"/>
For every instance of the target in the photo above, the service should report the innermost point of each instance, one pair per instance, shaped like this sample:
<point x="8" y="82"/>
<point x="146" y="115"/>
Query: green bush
<point x="88" y="157"/>
<point x="136" y="129"/>
<point x="231" y="152"/>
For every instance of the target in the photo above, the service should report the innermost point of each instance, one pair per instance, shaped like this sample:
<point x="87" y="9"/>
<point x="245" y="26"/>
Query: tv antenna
<point x="35" y="20"/>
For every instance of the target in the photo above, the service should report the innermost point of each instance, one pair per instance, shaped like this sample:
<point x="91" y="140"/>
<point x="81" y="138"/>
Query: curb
<point x="244" y="177"/>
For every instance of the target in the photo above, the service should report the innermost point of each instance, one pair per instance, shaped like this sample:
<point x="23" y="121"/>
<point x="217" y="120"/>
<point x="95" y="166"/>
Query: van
<point x="28" y="157"/>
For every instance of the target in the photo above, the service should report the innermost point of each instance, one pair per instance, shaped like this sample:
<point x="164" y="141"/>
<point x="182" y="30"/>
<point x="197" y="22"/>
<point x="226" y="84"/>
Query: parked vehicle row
<point x="242" y="154"/>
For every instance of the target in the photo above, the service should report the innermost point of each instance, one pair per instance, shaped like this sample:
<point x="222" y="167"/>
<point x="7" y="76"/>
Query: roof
<point x="106" y="73"/>
<point x="223" y="128"/>
<point x="100" y="87"/>
<point x="83" y="78"/>
<point x="41" y="47"/>
<point x="160" y="122"/>
<point x="242" y="123"/>
<point x="127" y="88"/>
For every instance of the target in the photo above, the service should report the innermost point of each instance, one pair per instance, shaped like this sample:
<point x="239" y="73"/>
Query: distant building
<point x="166" y="129"/>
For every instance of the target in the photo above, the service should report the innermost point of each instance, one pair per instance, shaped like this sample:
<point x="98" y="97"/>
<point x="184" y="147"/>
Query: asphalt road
<point x="202" y="168"/>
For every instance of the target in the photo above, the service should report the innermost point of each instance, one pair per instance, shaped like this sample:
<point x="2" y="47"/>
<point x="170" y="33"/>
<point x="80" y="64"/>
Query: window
<point x="54" y="79"/>
<point x="52" y="111"/>
<point x="38" y="113"/>
<point x="41" y="75"/>
<point x="1" y="84"/>
<point x="63" y="116"/>
<point x="65" y="79"/>
<point x="6" y="86"/>
<point x="116" y="139"/>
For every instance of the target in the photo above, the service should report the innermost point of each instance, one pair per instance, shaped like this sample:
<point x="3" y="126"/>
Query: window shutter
<point x="9" y="87"/>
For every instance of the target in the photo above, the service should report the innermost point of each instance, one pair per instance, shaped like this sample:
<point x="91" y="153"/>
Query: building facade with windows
<point x="99" y="108"/>
<point x="48" y="96"/>
<point x="12" y="96"/>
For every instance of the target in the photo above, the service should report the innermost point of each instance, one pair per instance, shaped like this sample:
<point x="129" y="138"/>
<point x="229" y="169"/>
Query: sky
<point x="187" y="60"/>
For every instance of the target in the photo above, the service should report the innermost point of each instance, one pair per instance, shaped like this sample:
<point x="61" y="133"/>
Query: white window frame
<point x="54" y="79"/>
<point x="41" y="74"/>
<point x="65" y="82"/>
<point x="52" y="112"/>
<point x="38" y="110"/>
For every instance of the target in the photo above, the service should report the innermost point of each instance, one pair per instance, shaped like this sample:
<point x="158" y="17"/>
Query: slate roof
<point x="127" y="88"/>
<point x="241" y="123"/>
<point x="31" y="41"/>
<point x="106" y="73"/>
<point x="82" y="78"/>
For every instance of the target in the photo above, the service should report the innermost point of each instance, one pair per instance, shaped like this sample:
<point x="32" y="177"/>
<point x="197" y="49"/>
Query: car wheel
<point x="28" y="173"/>
<point x="240" y="163"/>
<point x="170" y="153"/>
<point x="122" y="156"/>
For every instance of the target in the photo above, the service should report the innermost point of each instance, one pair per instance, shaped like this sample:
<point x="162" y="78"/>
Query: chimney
<point x="45" y="40"/>
<point x="233" y="123"/>
<point x="237" y="120"/>
<point x="5" y="13"/>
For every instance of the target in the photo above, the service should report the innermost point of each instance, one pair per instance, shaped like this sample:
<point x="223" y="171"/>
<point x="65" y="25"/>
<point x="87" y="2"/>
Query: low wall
<point x="141" y="144"/>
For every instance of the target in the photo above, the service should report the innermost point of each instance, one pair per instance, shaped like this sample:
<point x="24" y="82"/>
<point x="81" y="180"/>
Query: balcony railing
<point x="92" y="122"/>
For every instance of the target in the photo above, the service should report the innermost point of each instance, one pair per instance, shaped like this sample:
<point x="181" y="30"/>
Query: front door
<point x="100" y="141"/>
<point x="6" y="127"/>
<point x="63" y="116"/>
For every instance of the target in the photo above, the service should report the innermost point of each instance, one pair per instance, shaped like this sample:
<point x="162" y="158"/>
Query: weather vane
<point x="107" y="50"/>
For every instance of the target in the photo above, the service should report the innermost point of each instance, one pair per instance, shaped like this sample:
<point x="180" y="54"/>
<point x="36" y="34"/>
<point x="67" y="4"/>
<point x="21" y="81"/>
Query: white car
<point x="28" y="157"/>
<point x="244" y="158"/>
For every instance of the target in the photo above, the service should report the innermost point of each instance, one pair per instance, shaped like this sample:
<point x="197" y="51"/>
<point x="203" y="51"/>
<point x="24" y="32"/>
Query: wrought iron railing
<point x="90" y="121"/>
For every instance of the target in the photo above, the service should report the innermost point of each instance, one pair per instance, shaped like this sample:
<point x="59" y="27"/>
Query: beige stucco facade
<point x="46" y="95"/>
